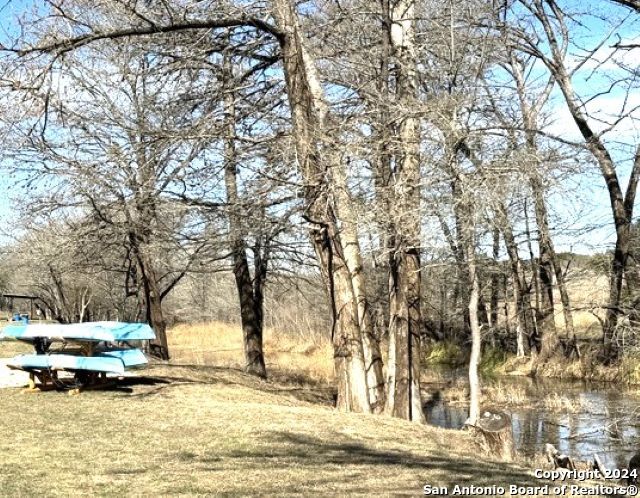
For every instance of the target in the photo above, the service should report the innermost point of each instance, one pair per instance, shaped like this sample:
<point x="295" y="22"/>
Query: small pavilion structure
<point x="9" y="300"/>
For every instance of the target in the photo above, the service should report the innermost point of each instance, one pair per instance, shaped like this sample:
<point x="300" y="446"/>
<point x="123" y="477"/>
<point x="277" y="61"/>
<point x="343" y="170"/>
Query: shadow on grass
<point x="298" y="386"/>
<point x="128" y="384"/>
<point x="297" y="450"/>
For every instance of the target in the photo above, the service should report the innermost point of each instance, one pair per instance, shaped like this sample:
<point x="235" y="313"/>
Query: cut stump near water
<point x="496" y="434"/>
<point x="561" y="461"/>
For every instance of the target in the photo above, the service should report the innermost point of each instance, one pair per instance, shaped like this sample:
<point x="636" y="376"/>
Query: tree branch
<point x="632" y="4"/>
<point x="73" y="43"/>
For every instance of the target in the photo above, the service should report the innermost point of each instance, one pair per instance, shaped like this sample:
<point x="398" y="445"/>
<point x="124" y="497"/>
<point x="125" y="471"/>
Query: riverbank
<point x="196" y="430"/>
<point x="498" y="363"/>
<point x="190" y="428"/>
<point x="581" y="412"/>
<point x="580" y="418"/>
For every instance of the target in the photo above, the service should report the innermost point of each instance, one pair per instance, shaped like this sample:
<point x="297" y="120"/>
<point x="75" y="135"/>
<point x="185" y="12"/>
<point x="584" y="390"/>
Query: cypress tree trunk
<point x="351" y="377"/>
<point x="353" y="260"/>
<point x="403" y="372"/>
<point x="309" y="110"/>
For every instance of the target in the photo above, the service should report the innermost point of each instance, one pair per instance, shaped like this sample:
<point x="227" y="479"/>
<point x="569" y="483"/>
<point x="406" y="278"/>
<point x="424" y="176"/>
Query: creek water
<point x="603" y="419"/>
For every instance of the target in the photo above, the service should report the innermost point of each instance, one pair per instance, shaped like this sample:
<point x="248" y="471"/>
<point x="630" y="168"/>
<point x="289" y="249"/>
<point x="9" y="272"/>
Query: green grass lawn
<point x="203" y="430"/>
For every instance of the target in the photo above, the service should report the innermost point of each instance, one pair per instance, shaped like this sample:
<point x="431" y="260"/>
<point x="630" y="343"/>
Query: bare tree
<point x="309" y="114"/>
<point x="403" y="370"/>
<point x="554" y="27"/>
<point x="115" y="153"/>
<point x="73" y="275"/>
<point x="308" y="110"/>
<point x="250" y="288"/>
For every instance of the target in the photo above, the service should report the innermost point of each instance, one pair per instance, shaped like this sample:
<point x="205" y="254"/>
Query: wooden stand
<point x="496" y="434"/>
<point x="46" y="381"/>
<point x="93" y="381"/>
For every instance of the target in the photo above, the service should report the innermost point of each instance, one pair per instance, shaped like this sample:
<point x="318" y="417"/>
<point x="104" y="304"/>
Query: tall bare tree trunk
<point x="549" y="265"/>
<point x="468" y="234"/>
<point x="548" y="261"/>
<point x="532" y="259"/>
<point x="152" y="296"/>
<point x="524" y="314"/>
<point x="353" y="259"/>
<point x="476" y="344"/>
<point x="383" y="156"/>
<point x="545" y="312"/>
<point x="353" y="393"/>
<point x="403" y="378"/>
<point x="251" y="303"/>
<point x="309" y="112"/>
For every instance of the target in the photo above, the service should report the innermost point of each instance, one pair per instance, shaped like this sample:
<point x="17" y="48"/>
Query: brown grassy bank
<point x="508" y="396"/>
<point x="190" y="428"/>
<point x="215" y="431"/>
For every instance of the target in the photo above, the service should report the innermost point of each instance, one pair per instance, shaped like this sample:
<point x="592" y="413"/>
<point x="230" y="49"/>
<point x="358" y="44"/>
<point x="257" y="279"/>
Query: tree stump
<point x="494" y="429"/>
<point x="559" y="460"/>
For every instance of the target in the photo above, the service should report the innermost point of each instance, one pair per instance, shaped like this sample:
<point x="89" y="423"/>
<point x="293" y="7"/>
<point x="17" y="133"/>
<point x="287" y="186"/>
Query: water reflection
<point x="606" y="420"/>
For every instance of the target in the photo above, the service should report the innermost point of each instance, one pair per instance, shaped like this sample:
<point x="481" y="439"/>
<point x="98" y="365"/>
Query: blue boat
<point x="90" y="361"/>
<point x="130" y="358"/>
<point x="67" y="362"/>
<point x="89" y="331"/>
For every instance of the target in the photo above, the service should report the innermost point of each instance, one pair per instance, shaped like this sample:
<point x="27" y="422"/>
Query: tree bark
<point x="382" y="160"/>
<point x="546" y="259"/>
<point x="353" y="393"/>
<point x="534" y="265"/>
<point x="403" y="372"/>
<point x="251" y="302"/>
<point x="496" y="431"/>
<point x="308" y="110"/>
<point x="353" y="259"/>
<point x="468" y="227"/>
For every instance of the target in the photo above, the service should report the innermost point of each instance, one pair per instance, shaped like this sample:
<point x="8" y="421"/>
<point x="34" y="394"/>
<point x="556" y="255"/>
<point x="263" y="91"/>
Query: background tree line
<point x="400" y="152"/>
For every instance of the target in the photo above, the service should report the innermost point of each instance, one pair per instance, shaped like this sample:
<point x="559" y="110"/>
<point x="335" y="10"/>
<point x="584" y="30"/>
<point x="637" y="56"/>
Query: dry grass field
<point x="196" y="427"/>
<point x="587" y="293"/>
<point x="216" y="343"/>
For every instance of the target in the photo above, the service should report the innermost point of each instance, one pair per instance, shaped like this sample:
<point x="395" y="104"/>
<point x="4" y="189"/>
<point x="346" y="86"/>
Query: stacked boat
<point x="81" y="348"/>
